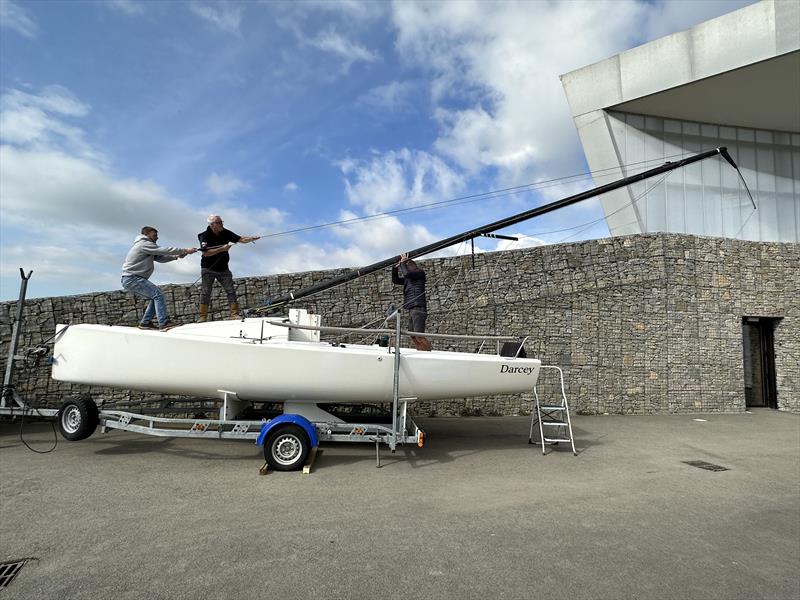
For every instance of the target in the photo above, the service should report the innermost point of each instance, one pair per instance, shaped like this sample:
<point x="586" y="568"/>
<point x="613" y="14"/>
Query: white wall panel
<point x="707" y="198"/>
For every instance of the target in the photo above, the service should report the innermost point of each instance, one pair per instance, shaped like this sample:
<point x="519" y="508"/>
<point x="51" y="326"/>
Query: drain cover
<point x="9" y="570"/>
<point x="701" y="464"/>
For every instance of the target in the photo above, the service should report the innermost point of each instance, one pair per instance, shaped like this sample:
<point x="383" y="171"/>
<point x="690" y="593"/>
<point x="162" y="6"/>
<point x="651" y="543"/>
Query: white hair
<point x="211" y="218"/>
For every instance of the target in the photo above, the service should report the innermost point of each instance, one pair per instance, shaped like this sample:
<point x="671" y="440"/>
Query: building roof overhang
<point x="740" y="69"/>
<point x="764" y="95"/>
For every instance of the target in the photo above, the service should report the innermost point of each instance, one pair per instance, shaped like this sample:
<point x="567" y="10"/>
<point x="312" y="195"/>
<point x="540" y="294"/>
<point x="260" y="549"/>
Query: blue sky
<point x="284" y="115"/>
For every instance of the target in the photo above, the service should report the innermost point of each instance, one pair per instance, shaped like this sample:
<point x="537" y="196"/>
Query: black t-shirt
<point x="209" y="239"/>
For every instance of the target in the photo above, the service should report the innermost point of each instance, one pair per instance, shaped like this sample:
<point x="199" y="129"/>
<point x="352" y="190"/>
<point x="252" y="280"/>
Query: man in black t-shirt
<point x="215" y="242"/>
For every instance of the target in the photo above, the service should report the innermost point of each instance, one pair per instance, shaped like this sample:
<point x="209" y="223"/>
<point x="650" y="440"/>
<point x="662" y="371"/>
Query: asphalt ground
<point x="476" y="513"/>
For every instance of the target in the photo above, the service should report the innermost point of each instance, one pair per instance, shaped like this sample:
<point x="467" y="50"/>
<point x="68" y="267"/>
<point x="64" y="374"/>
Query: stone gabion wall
<point x="640" y="324"/>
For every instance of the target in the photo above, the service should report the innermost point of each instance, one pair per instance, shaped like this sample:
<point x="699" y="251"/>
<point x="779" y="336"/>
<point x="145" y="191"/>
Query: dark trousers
<point x="225" y="279"/>
<point x="416" y="319"/>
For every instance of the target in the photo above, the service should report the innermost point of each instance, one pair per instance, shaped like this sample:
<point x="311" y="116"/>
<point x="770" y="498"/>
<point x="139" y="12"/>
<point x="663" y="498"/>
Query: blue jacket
<point x="413" y="283"/>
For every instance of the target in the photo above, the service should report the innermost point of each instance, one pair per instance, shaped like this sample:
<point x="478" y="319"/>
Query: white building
<point x="733" y="81"/>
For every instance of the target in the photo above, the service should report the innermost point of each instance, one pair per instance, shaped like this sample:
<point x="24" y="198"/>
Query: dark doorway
<point x="758" y="342"/>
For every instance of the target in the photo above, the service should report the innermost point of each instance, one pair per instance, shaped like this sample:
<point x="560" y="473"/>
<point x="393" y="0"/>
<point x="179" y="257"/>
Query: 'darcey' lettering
<point x="507" y="369"/>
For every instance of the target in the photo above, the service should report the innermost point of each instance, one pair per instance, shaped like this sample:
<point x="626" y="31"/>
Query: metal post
<point x="396" y="386"/>
<point x="15" y="333"/>
<point x="472" y="241"/>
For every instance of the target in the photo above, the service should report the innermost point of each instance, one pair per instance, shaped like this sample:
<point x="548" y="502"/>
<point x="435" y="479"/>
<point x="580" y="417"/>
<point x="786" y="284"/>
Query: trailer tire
<point x="286" y="448"/>
<point x="78" y="418"/>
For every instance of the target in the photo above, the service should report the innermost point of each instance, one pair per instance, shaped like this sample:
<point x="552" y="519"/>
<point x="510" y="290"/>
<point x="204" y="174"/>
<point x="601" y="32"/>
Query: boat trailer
<point x="289" y="440"/>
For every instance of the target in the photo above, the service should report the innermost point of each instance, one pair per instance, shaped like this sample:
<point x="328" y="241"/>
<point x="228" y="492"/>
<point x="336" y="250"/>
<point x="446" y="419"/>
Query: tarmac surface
<point x="476" y="513"/>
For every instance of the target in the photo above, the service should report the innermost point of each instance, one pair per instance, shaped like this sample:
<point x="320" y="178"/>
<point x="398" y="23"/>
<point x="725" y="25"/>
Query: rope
<point x="22" y="438"/>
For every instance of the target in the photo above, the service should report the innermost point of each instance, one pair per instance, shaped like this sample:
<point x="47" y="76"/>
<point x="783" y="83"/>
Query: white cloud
<point x="291" y="187"/>
<point x="248" y="221"/>
<point x="38" y="121"/>
<point x="398" y="178"/>
<point x="327" y="34"/>
<point x="392" y="97"/>
<point x="46" y="262"/>
<point x="91" y="218"/>
<point x="226" y="17"/>
<point x="55" y="193"/>
<point x="496" y="66"/>
<point x="505" y="59"/>
<point x="358" y="10"/>
<point x="225" y="184"/>
<point x="383" y="237"/>
<point x="358" y="244"/>
<point x="349" y="52"/>
<point x="87" y="216"/>
<point x="523" y="241"/>
<point x="665" y="18"/>
<point x="16" y="18"/>
<point x="128" y="7"/>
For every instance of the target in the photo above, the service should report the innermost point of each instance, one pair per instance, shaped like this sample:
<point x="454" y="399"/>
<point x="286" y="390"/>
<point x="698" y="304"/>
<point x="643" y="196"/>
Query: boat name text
<point x="507" y="369"/>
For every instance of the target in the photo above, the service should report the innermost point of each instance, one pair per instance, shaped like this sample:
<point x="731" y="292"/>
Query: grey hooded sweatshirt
<point x="141" y="256"/>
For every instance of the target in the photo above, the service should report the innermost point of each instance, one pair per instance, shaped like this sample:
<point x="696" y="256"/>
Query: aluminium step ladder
<point x="551" y="420"/>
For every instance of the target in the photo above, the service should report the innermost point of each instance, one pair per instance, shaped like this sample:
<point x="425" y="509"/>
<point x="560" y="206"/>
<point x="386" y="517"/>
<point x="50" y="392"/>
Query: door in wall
<point x="758" y="343"/>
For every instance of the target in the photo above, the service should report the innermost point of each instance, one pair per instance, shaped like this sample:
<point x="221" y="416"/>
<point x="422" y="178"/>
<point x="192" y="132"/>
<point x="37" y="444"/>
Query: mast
<point x="501" y="224"/>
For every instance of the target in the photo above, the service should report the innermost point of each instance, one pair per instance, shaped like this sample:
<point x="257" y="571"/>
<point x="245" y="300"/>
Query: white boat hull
<point x="257" y="361"/>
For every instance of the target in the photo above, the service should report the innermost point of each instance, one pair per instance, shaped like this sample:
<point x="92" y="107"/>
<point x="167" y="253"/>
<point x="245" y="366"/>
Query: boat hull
<point x="192" y="363"/>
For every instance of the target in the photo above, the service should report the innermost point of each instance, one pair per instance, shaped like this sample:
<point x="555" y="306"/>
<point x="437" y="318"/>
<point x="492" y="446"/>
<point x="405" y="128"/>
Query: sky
<point x="293" y="121"/>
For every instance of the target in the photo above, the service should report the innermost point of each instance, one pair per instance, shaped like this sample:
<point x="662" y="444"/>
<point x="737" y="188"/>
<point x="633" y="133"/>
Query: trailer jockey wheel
<point x="78" y="418"/>
<point x="286" y="448"/>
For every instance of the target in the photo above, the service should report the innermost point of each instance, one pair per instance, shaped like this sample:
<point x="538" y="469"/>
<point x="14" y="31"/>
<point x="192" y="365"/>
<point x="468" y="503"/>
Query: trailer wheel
<point x="286" y="448"/>
<point x="78" y="418"/>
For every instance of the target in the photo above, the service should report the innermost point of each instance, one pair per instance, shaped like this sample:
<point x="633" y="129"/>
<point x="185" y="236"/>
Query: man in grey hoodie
<point x="136" y="272"/>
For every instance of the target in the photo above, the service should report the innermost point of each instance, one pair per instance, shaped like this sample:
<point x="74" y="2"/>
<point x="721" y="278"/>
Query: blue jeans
<point x="143" y="288"/>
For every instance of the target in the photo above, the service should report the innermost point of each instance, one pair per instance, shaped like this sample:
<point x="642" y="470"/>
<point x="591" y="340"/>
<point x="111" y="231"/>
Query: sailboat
<point x="279" y="360"/>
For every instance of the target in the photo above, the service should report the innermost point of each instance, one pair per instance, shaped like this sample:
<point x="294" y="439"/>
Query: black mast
<point x="501" y="224"/>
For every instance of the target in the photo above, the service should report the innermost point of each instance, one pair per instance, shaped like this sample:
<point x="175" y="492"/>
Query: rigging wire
<point x="493" y="194"/>
<point x="385" y="319"/>
<point x="460" y="273"/>
<point x="741" y="229"/>
<point x="497" y="261"/>
<point x="581" y="228"/>
<point x="490" y="281"/>
<point x="477" y="196"/>
<point x="620" y="209"/>
<point x="500" y="256"/>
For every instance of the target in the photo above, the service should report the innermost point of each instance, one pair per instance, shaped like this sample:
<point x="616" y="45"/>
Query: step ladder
<point x="551" y="420"/>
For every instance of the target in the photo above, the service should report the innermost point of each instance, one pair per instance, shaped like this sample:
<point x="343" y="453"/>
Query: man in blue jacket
<point x="408" y="274"/>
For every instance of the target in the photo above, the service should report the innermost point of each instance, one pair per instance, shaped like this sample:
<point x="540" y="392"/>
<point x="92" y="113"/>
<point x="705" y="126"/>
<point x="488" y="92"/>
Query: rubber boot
<point x="203" y="313"/>
<point x="235" y="310"/>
